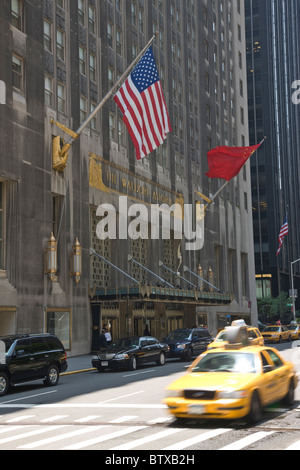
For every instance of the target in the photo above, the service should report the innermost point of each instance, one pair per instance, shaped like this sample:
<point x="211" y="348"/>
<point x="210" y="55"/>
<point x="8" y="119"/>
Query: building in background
<point x="58" y="59"/>
<point x="273" y="65"/>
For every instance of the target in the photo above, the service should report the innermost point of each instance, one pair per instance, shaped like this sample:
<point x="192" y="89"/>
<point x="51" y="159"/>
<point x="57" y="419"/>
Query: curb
<point x="78" y="371"/>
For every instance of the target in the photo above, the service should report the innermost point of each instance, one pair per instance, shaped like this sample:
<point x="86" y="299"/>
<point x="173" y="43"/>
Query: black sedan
<point x="187" y="342"/>
<point x="129" y="353"/>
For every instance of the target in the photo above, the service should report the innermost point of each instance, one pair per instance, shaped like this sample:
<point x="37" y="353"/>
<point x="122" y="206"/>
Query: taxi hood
<point x="212" y="381"/>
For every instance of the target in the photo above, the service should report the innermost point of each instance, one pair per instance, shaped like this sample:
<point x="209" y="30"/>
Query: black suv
<point x="187" y="342"/>
<point x="30" y="357"/>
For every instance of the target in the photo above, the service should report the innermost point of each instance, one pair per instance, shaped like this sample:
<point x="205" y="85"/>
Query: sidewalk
<point x="78" y="364"/>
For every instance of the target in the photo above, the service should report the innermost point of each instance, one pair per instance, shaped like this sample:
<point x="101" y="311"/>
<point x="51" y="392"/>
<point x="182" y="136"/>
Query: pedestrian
<point x="108" y="337"/>
<point x="102" y="341"/>
<point x="147" y="331"/>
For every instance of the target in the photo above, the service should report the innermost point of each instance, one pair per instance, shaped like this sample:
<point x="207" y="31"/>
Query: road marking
<point x="295" y="446"/>
<point x="19" y="418"/>
<point x="26" y="398"/>
<point x="53" y="418"/>
<point x="161" y="420"/>
<point x="123" y="419"/>
<point x="100" y="439"/>
<point x="196" y="439"/>
<point x="143" y="406"/>
<point x="139" y="373"/>
<point x="87" y="418"/>
<point x="147" y="439"/>
<point x="246" y="441"/>
<point x="124" y="396"/>
<point x="6" y="429"/>
<point x="30" y="433"/>
<point x="49" y="440"/>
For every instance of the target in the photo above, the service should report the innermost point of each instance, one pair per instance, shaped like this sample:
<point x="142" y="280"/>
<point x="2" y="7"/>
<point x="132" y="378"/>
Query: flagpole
<point x="225" y="184"/>
<point x="68" y="144"/>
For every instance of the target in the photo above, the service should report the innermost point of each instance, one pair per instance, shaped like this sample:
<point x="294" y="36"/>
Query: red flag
<point x="142" y="103"/>
<point x="226" y="162"/>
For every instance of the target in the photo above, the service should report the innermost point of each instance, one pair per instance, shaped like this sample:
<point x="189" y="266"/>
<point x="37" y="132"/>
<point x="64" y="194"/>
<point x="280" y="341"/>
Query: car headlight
<point x="181" y="346"/>
<point x="173" y="393"/>
<point x="121" y="356"/>
<point x="232" y="394"/>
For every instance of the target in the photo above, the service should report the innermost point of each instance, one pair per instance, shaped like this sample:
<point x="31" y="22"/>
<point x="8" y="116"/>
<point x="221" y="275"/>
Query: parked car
<point x="187" y="342"/>
<point x="130" y="353"/>
<point x="31" y="357"/>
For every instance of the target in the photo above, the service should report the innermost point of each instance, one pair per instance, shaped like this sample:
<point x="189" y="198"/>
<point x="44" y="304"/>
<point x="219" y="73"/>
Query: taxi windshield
<point x="221" y="336"/>
<point x="271" y="328"/>
<point x="292" y="327"/>
<point x="239" y="363"/>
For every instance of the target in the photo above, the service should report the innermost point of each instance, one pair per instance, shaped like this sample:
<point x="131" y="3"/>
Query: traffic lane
<point x="92" y="382"/>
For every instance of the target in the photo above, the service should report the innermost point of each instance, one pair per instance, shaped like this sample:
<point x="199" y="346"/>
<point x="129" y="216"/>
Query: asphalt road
<point x="123" y="411"/>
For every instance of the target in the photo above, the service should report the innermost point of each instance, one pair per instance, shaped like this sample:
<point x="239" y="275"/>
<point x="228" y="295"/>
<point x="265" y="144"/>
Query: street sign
<point x="293" y="293"/>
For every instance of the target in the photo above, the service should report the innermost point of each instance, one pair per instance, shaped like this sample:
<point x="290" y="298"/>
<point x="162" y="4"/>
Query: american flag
<point x="283" y="232"/>
<point x="142" y="103"/>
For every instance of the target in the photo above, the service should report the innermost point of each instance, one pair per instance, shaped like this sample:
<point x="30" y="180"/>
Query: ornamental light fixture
<point x="76" y="261"/>
<point x="51" y="258"/>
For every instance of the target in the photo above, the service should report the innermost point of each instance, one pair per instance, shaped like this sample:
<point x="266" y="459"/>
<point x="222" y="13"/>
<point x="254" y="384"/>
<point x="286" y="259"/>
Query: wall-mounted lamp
<point x="76" y="261"/>
<point x="51" y="258"/>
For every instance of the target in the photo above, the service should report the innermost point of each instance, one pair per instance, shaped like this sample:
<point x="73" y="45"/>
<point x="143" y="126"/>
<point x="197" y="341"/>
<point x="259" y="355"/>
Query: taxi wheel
<point x="290" y="396"/>
<point x="255" y="413"/>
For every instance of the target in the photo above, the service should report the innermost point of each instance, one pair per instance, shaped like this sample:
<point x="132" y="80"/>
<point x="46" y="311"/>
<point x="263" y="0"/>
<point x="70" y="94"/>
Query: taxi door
<point x="269" y="384"/>
<point x="281" y="375"/>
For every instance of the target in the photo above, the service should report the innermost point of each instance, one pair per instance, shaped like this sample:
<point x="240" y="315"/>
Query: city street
<point x="123" y="411"/>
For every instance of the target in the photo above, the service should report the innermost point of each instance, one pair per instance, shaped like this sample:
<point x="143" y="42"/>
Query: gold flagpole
<point x="62" y="154"/>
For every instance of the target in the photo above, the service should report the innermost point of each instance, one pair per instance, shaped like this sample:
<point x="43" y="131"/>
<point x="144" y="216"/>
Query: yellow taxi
<point x="276" y="334"/>
<point x="232" y="382"/>
<point x="254" y="337"/>
<point x="294" y="330"/>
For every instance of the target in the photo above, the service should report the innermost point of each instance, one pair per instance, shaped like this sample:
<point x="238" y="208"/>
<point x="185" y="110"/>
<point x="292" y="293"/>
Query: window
<point x="92" y="24"/>
<point x="59" y="324"/>
<point x="110" y="34"/>
<point x="94" y="120"/>
<point x="134" y="13"/>
<point x="47" y="36"/>
<point x="82" y="109"/>
<point x="92" y="67"/>
<point x="82" y="60"/>
<point x="2" y="224"/>
<point x="48" y="91"/>
<point x="18" y="72"/>
<point x="60" y="44"/>
<point x="61" y="98"/>
<point x="17" y="14"/>
<point x="81" y="11"/>
<point x="275" y="358"/>
<point x="112" y="126"/>
<point x="119" y="41"/>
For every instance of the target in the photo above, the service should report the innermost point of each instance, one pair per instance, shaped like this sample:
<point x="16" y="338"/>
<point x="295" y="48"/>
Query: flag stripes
<point x="142" y="104"/>
<point x="283" y="232"/>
